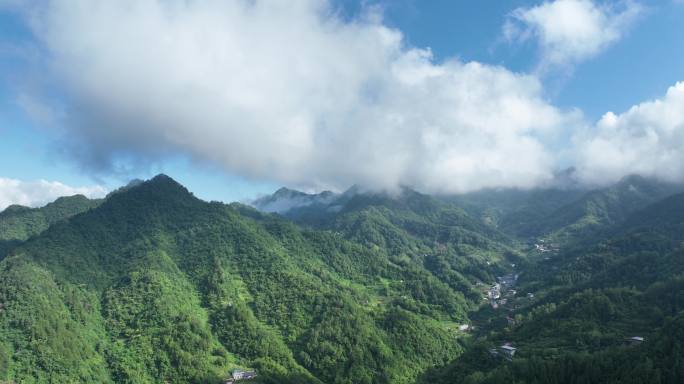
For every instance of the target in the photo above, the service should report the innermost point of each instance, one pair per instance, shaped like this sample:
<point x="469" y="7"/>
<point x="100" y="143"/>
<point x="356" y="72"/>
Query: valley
<point x="341" y="192"/>
<point x="152" y="284"/>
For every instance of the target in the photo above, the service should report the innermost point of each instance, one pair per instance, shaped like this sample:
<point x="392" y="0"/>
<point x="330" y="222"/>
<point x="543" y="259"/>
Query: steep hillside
<point x="417" y="229"/>
<point x="563" y="215"/>
<point x="520" y="213"/>
<point x="665" y="216"/>
<point x="600" y="209"/>
<point x="287" y="200"/>
<point x="588" y="302"/>
<point x="408" y="214"/>
<point x="155" y="285"/>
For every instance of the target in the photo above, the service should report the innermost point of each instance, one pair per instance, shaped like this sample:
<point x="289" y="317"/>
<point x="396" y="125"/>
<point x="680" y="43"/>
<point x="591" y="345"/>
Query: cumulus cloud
<point x="40" y="192"/>
<point x="571" y="31"/>
<point x="288" y="91"/>
<point x="648" y="140"/>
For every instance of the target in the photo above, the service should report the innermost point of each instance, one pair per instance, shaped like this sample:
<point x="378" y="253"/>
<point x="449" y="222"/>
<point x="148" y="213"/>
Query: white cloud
<point x="648" y="140"/>
<point x="40" y="192"/>
<point x="286" y="91"/>
<point x="570" y="31"/>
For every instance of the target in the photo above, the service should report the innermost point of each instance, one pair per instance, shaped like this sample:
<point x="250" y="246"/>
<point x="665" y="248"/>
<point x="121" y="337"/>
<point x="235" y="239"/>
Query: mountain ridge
<point x="154" y="258"/>
<point x="154" y="284"/>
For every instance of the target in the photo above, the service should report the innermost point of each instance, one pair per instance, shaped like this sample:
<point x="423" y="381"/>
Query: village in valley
<point x="240" y="375"/>
<point x="502" y="295"/>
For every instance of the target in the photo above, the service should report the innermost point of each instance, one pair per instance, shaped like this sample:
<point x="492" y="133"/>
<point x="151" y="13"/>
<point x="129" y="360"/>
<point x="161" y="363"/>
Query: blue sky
<point x="652" y="52"/>
<point x="37" y="141"/>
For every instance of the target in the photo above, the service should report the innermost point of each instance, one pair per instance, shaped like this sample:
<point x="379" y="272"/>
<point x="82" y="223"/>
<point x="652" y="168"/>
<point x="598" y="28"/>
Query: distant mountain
<point x="414" y="214"/>
<point x="666" y="215"/>
<point x="563" y="215"/>
<point x="416" y="229"/>
<point x="598" y="210"/>
<point x="285" y="200"/>
<point x="326" y="210"/>
<point x="520" y="213"/>
<point x="18" y="223"/>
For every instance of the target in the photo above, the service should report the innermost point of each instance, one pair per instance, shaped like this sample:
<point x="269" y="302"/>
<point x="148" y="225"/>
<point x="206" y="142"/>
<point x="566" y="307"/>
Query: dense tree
<point x="154" y="285"/>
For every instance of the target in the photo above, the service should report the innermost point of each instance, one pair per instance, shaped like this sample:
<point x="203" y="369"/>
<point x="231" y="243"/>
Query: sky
<point x="235" y="99"/>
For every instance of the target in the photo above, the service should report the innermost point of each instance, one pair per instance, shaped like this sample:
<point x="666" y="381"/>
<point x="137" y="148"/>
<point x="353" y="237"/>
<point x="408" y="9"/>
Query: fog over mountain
<point x="284" y="200"/>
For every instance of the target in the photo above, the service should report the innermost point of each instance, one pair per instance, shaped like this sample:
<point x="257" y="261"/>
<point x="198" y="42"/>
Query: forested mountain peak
<point x="404" y="197"/>
<point x="161" y="181"/>
<point x="284" y="200"/>
<point x="370" y="287"/>
<point x="159" y="285"/>
<point x="287" y="192"/>
<point x="159" y="189"/>
<point x="14" y="208"/>
<point x="61" y="203"/>
<point x="19" y="222"/>
<point x="291" y="202"/>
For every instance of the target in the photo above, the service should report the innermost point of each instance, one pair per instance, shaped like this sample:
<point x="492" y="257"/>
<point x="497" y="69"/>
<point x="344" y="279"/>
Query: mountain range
<point x="152" y="284"/>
